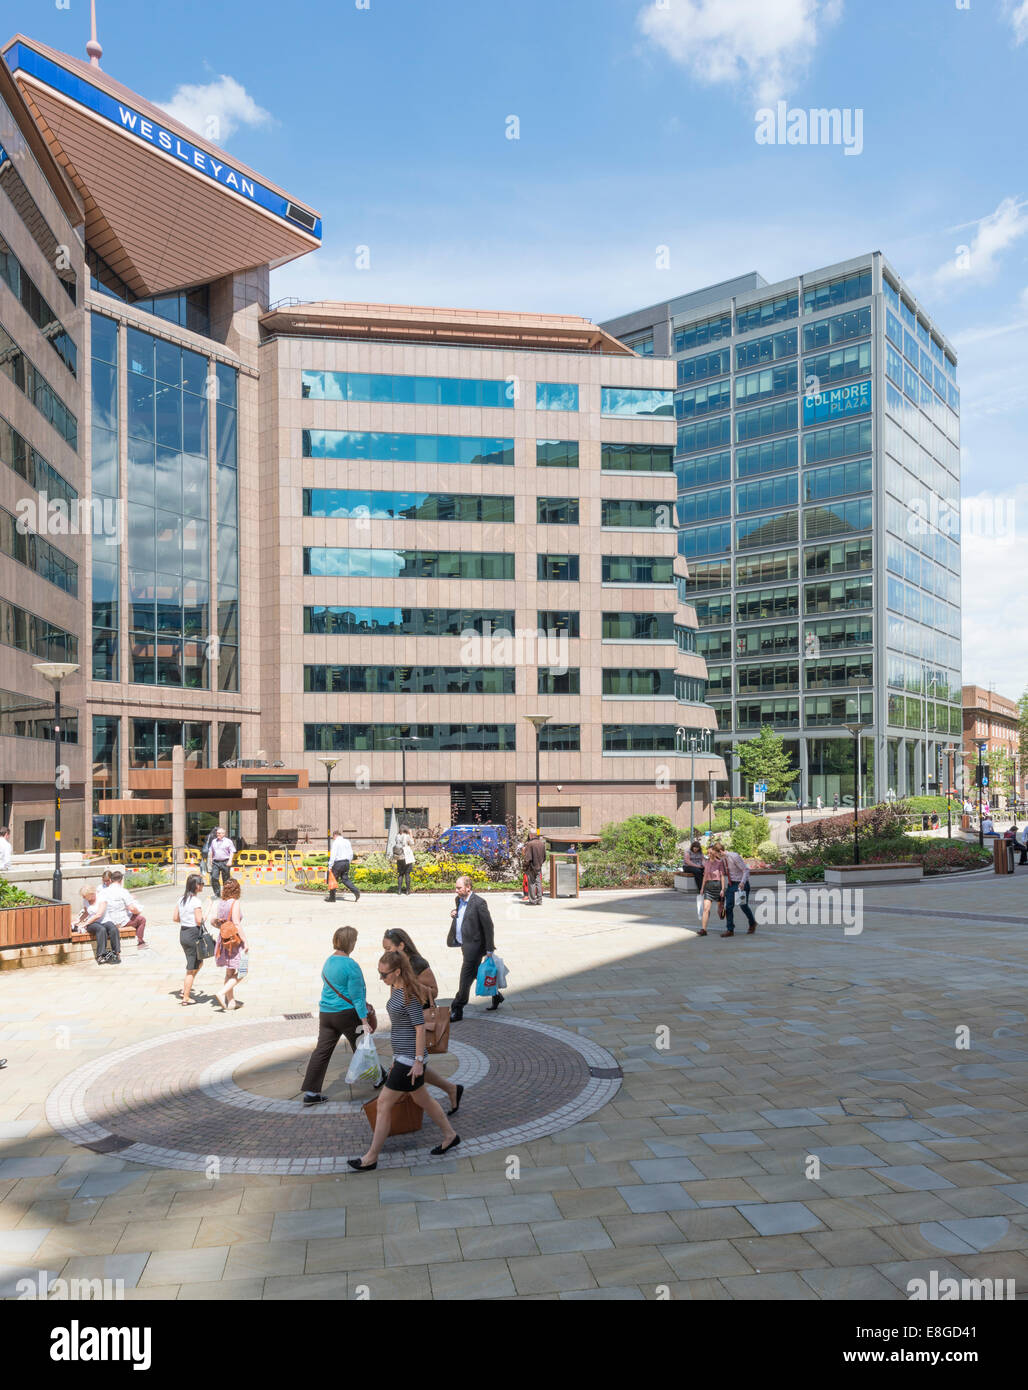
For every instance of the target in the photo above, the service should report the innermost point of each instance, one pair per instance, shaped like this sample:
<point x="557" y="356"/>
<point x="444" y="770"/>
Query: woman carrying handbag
<point x="192" y="936"/>
<point x="343" y="1011"/>
<point x="437" y="1020"/>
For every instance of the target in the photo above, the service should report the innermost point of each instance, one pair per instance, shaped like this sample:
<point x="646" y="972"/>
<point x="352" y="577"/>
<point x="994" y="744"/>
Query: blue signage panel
<point x="837" y="402"/>
<point x="21" y="58"/>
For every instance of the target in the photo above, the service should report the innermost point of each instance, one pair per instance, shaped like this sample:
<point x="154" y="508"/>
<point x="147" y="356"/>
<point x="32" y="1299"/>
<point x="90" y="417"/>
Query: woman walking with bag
<point x="714" y="879"/>
<point x="188" y="914"/>
<point x="397" y="940"/>
<point x="407" y="1076"/>
<point x="343" y="1011"/>
<point x="403" y="853"/>
<point x="233" y="949"/>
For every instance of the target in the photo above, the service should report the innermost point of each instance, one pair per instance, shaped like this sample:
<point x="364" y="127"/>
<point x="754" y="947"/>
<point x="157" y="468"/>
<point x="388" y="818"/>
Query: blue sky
<point x="636" y="131"/>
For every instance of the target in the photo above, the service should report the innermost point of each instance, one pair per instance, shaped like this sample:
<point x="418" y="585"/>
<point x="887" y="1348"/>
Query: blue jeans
<point x="744" y="907"/>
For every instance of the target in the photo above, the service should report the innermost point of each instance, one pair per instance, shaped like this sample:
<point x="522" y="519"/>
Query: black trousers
<point x="341" y="873"/>
<point x="403" y="875"/>
<point x="697" y="875"/>
<point x="331" y="1027"/>
<point x="220" y="871"/>
<point x="468" y="975"/>
<point x="108" y="938"/>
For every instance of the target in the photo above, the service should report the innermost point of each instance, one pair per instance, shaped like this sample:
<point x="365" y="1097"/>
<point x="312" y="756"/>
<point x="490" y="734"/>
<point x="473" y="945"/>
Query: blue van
<point x="489" y="841"/>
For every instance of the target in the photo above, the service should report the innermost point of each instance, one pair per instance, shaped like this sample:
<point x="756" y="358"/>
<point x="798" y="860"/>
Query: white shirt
<point x="460" y="919"/>
<point x="340" y="849"/>
<point x="187" y="911"/>
<point x="6" y="854"/>
<point x="120" y="904"/>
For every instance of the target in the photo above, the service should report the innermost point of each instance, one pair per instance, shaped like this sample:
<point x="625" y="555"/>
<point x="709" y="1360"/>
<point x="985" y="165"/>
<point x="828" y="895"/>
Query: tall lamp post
<point x="681" y="736"/>
<point x="949" y="791"/>
<point x="329" y="764"/>
<point x="404" y="740"/>
<point x="55" y="672"/>
<point x="538" y="720"/>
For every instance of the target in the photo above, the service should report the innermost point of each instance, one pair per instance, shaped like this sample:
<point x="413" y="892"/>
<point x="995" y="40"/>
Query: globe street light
<point x="538" y="720"/>
<point x="404" y="740"/>
<point x="55" y="672"/>
<point x="329" y="764"/>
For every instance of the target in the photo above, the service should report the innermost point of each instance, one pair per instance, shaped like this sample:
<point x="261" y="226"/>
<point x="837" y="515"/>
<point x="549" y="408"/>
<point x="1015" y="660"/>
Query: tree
<point x="764" y="759"/>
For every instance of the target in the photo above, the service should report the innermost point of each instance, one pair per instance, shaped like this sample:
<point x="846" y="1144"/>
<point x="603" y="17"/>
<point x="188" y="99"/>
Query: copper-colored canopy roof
<point x="164" y="207"/>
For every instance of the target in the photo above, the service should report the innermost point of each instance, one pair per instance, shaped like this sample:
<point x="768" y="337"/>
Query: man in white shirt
<point x="6" y="850"/>
<point x="222" y="850"/>
<point x="340" y="857"/>
<point x="94" y="919"/>
<point x="738" y="873"/>
<point x="122" y="908"/>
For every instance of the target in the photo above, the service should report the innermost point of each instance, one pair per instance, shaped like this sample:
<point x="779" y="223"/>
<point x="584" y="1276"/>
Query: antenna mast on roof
<point x="93" y="48"/>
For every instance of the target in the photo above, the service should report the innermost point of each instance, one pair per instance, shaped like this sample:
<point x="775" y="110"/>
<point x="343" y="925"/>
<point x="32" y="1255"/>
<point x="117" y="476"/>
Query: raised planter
<point x="766" y="878"/>
<point x="850" y="875"/>
<point x="41" y="925"/>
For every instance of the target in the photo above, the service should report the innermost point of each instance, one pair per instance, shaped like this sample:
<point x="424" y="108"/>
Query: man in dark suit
<point x="471" y="928"/>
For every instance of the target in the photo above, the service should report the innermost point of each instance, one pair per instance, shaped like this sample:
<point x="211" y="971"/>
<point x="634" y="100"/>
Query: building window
<point x="560" y="738"/>
<point x="773" y="456"/>
<point x="705" y="434"/>
<point x="833" y="292"/>
<point x="412" y="390"/>
<point x="334" y="619"/>
<point x="629" y="682"/>
<point x="25" y="290"/>
<point x="637" y="458"/>
<point x="638" y="403"/>
<point x="409" y="680"/>
<point x="553" y="621"/>
<point x="407" y="564"/>
<point x="698" y="472"/>
<point x="559" y="682"/>
<point x="556" y="395"/>
<point x="407" y="448"/>
<point x="639" y="738"/>
<point x="638" y="569"/>
<point x="557" y="511"/>
<point x="408" y="817"/>
<point x="349" y="504"/>
<point x="640" y="627"/>
<point x="560" y="817"/>
<point x="17" y="368"/>
<point x="154" y="739"/>
<point x="707" y="365"/>
<point x="556" y="453"/>
<point x="648" y="516"/>
<point x="770" y="349"/>
<point x="557" y="567"/>
<point x="432" y="738"/>
<point x="769" y="311"/>
<point x="710" y="330"/>
<point x="21" y="716"/>
<point x="37" y="554"/>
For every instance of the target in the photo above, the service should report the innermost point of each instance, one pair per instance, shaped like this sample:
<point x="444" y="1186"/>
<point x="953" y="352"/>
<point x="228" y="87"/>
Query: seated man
<point x="93" y="919"/>
<point x="122" y="908"/>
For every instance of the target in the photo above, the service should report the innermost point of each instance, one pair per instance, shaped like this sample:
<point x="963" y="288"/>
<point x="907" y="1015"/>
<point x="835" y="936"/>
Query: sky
<point x="596" y="156"/>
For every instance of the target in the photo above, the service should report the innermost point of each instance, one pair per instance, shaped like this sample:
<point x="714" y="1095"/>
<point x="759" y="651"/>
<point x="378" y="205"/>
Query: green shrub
<point x="147" y="875"/>
<point x="769" y="853"/>
<point x="10" y="896"/>
<point x="639" y="839"/>
<point x="742" y="840"/>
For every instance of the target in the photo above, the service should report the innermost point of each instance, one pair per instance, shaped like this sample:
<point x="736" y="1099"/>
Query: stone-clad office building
<point x="332" y="527"/>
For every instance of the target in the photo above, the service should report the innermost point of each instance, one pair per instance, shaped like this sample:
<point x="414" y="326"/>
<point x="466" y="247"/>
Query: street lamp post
<point x="55" y="672"/>
<point x="538" y="720"/>
<point x="949" y="792"/>
<point x="329" y="764"/>
<point x="856" y="730"/>
<point x="404" y="740"/>
<point x="981" y="834"/>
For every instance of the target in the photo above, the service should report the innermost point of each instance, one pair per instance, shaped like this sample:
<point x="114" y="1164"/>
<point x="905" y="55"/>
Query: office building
<point x="818" y="468"/>
<point x="992" y="730"/>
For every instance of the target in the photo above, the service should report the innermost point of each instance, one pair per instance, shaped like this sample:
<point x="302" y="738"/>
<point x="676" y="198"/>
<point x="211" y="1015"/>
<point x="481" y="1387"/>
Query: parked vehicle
<point x="489" y="841"/>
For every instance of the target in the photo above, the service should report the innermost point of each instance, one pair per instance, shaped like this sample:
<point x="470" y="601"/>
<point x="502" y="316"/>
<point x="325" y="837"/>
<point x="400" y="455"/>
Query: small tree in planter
<point x="764" y="759"/>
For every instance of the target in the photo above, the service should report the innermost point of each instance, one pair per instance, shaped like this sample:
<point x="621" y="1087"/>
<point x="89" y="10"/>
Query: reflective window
<point x="407" y="448"/>
<point x="840" y="365"/>
<point x="821" y="710"/>
<point x="781" y="640"/>
<point x="758" y="350"/>
<point x="771" y="381"/>
<point x="153" y="741"/>
<point x="705" y="434"/>
<point x="25" y="290"/>
<point x="20" y="456"/>
<point x="712" y="612"/>
<point x="558" y="622"/>
<point x="556" y="395"/>
<point x="768" y="419"/>
<point x="650" y="516"/>
<point x="348" y="562"/>
<point x="766" y="493"/>
<point x="770" y="311"/>
<point x="780" y="714"/>
<point x="691" y="690"/>
<point x="37" y="554"/>
<point x="552" y="682"/>
<point x="640" y="627"/>
<point x="632" y="682"/>
<point x="836" y="634"/>
<point x="420" y="622"/>
<point x="827" y="332"/>
<point x="639" y="738"/>
<point x="638" y="569"/>
<point x="758" y="605"/>
<point x="708" y="364"/>
<point x="765" y="569"/>
<point x="409" y="680"/>
<point x="432" y="738"/>
<point x="705" y="540"/>
<point x="17" y="368"/>
<point x="26" y="632"/>
<point x="837" y="670"/>
<point x="767" y="676"/>
<point x="832" y="292"/>
<point x="643" y="346"/>
<point x="415" y="390"/>
<point x="837" y="594"/>
<point x="837" y="442"/>
<point x="704" y="506"/>
<point x="703" y="400"/>
<point x="770" y="457"/>
<point x="710" y="468"/>
<point x="704" y="331"/>
<point x="710" y="574"/>
<point x="637" y="402"/>
<point x="715" y="646"/>
<point x="555" y="511"/>
<point x="636" y="458"/>
<point x="838" y="558"/>
<point x="353" y="504"/>
<point x="759" y="531"/>
<point x="21" y="716"/>
<point x="837" y="480"/>
<point x="560" y="738"/>
<point x="556" y="453"/>
<point x="557" y="567"/>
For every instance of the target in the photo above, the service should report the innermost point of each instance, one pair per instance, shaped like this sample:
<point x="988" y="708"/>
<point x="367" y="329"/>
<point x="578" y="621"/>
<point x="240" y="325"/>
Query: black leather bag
<point x="205" y="945"/>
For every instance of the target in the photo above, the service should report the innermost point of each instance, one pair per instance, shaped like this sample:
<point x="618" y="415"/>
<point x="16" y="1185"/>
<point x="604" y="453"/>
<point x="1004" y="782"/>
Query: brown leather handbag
<point x="437" y="1028"/>
<point x="404" y="1118"/>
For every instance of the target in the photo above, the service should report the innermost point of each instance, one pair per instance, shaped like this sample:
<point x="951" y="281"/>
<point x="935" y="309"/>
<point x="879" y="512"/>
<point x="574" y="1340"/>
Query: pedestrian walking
<point x="188" y="914"/>
<point x="340" y="857"/>
<point x="714" y="877"/>
<point x="407" y="1075"/>
<point x="403" y="853"/>
<point x="395" y="939"/>
<point x="835" y="802"/>
<point x="205" y="853"/>
<point x="820" y="804"/>
<point x="534" y="857"/>
<point x="343" y="1011"/>
<point x="233" y="952"/>
<point x="738" y="873"/>
<point x="95" y="920"/>
<point x="6" y="849"/>
<point x="693" y="863"/>
<point x="122" y="908"/>
<point x="222" y="853"/>
<point x="471" y="929"/>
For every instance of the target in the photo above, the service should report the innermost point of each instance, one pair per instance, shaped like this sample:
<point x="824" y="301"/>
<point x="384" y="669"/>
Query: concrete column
<point x="178" y="802"/>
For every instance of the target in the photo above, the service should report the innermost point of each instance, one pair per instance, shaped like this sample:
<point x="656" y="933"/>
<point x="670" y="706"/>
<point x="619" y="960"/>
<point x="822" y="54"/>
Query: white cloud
<point x="978" y="260"/>
<point x="995" y="570"/>
<point x="765" y="44"/>
<point x="215" y="109"/>
<point x="1017" y="10"/>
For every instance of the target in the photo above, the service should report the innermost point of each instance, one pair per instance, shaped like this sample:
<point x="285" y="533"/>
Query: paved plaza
<point x="800" y="1114"/>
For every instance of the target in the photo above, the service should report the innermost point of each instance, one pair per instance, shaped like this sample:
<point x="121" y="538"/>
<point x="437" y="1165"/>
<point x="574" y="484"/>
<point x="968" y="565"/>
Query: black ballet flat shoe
<point x="441" y="1149"/>
<point x="460" y="1093"/>
<point x="359" y="1167"/>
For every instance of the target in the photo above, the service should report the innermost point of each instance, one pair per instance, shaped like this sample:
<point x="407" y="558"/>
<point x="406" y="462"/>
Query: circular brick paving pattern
<point x="176" y="1102"/>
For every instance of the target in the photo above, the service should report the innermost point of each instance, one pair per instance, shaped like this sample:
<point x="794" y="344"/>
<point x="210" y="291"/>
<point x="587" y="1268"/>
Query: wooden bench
<point x="849" y="875"/>
<point x="124" y="932"/>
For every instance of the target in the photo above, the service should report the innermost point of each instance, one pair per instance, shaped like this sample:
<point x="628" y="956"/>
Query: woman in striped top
<point x="407" y="1022"/>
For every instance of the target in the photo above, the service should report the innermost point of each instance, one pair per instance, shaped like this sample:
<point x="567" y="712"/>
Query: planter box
<point x="42" y="925"/>
<point x="852" y="875"/>
<point x="685" y="883"/>
<point x="766" y="878"/>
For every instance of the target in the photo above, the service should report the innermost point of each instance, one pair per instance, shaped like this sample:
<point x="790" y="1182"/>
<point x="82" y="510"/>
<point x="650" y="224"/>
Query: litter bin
<point x="1003" y="856"/>
<point x="567" y="878"/>
<point x="965" y="822"/>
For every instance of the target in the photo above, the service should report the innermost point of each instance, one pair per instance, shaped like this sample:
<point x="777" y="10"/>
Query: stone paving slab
<point x="813" y="1131"/>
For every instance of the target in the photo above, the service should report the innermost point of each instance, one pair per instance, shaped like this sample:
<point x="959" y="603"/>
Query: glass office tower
<point x="818" y="467"/>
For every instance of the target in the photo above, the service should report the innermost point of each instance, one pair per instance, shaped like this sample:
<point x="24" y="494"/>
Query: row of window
<point x="821" y="521"/>
<point x="23" y="717"/>
<point x="411" y="390"/>
<point x="756" y="605"/>
<point x="362" y="504"/>
<point x="448" y="448"/>
<point x="28" y="210"/>
<point x="819" y="445"/>
<point x="18" y="454"/>
<point x="498" y="623"/>
<point x="776" y="310"/>
<point x="349" y="562"/>
<point x="820" y="711"/>
<point x="834" y="634"/>
<point x="479" y="738"/>
<point x="17" y="368"/>
<point x="658" y="683"/>
<point x="26" y="291"/>
<point x="37" y="554"/>
<point x="41" y="638"/>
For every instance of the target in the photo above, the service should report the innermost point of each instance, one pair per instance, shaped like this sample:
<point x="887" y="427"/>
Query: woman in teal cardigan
<point x="343" y="1011"/>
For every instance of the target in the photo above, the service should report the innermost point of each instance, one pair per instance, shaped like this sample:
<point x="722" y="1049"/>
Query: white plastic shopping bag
<point x="501" y="972"/>
<point x="699" y="906"/>
<point x="364" y="1065"/>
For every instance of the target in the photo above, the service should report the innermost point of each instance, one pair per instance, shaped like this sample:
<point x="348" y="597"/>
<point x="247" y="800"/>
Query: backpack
<point x="229" y="933"/>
